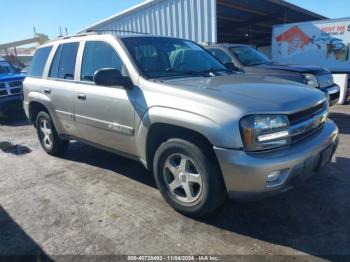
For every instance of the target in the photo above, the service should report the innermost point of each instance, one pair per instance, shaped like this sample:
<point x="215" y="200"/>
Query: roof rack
<point x="93" y="32"/>
<point x="115" y="30"/>
<point x="70" y="36"/>
<point x="78" y="35"/>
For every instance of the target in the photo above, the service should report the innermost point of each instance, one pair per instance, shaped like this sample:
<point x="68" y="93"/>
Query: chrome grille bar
<point x="313" y="123"/>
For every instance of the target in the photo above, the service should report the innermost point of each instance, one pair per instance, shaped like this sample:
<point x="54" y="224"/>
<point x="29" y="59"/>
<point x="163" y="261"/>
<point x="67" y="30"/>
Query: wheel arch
<point x="34" y="108"/>
<point x="161" y="124"/>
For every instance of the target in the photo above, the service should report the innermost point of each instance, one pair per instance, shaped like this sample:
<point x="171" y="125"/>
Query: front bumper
<point x="11" y="103"/>
<point x="333" y="94"/>
<point x="246" y="174"/>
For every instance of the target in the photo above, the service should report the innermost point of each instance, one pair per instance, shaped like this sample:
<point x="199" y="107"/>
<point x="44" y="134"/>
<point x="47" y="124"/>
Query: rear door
<point x="104" y="115"/>
<point x="59" y="86"/>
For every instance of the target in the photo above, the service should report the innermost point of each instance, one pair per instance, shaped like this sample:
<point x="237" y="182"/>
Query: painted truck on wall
<point x="323" y="43"/>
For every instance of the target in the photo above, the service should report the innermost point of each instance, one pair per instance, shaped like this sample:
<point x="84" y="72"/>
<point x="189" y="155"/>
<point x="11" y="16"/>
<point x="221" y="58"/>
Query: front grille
<point x="16" y="91"/>
<point x="15" y="83"/>
<point x="307" y="122"/>
<point x="303" y="135"/>
<point x="2" y="85"/>
<point x="3" y="93"/>
<point x="306" y="114"/>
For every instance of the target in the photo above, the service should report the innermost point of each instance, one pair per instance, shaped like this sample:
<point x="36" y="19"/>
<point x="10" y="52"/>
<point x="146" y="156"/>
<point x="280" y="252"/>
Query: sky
<point x="18" y="17"/>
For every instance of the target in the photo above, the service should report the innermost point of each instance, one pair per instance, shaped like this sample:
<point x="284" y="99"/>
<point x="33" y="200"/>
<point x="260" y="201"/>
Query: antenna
<point x="60" y="32"/>
<point x="66" y="31"/>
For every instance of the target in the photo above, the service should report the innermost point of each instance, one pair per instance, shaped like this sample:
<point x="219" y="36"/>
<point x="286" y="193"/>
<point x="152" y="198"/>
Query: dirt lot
<point x="94" y="202"/>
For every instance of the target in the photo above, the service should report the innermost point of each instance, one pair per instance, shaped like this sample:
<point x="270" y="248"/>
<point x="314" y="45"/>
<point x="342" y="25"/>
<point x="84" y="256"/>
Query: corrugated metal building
<point x="211" y="21"/>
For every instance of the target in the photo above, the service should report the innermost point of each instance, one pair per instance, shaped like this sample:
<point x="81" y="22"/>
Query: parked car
<point x="247" y="59"/>
<point x="205" y="131"/>
<point x="10" y="88"/>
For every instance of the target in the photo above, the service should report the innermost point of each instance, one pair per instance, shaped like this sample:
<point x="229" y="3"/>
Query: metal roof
<point x="234" y="21"/>
<point x="126" y="12"/>
<point x="251" y="21"/>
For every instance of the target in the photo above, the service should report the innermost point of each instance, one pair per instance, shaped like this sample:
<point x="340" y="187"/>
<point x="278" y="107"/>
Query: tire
<point x="188" y="178"/>
<point x="57" y="146"/>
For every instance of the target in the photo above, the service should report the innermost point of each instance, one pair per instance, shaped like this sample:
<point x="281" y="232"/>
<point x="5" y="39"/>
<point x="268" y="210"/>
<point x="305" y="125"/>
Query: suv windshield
<point x="159" y="57"/>
<point x="6" y="68"/>
<point x="248" y="56"/>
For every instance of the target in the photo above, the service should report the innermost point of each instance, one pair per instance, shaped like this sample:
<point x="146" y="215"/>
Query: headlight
<point x="311" y="80"/>
<point x="263" y="132"/>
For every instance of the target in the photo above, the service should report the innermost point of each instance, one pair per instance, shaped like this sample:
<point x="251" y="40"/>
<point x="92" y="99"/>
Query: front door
<point x="104" y="115"/>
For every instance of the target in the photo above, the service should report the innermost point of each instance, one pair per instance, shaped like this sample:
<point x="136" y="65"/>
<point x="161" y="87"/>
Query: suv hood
<point x="293" y="68"/>
<point x="250" y="93"/>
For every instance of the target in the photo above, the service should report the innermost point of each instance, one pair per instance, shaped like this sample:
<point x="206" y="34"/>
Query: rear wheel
<point x="188" y="178"/>
<point x="48" y="136"/>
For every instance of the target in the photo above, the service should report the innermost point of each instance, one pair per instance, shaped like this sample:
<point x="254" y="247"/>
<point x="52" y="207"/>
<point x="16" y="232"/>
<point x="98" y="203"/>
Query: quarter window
<point x="39" y="61"/>
<point x="98" y="55"/>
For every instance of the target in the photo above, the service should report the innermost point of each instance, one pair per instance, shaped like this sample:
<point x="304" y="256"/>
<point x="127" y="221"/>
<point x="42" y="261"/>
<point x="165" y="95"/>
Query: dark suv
<point x="248" y="60"/>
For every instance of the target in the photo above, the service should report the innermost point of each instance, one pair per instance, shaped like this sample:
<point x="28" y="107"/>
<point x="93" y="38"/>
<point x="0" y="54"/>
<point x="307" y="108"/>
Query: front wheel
<point x="188" y="178"/>
<point x="48" y="136"/>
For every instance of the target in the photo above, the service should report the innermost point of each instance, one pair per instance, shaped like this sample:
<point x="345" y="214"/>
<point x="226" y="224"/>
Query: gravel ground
<point x="95" y="203"/>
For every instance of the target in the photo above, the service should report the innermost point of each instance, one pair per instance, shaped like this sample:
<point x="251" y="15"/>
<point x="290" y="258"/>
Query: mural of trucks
<point x="322" y="43"/>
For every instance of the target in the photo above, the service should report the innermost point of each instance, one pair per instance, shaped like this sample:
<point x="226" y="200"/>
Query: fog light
<point x="273" y="176"/>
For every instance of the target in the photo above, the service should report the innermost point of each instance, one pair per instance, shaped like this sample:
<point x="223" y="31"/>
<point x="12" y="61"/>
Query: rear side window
<point x="39" y="61"/>
<point x="63" y="64"/>
<point x="98" y="55"/>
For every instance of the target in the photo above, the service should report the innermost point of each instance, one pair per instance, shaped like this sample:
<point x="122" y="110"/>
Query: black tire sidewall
<point x="58" y="146"/>
<point x="208" y="170"/>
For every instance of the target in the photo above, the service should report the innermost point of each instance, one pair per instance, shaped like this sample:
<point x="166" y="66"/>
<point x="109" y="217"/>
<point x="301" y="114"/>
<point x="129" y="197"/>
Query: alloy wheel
<point x="183" y="178"/>
<point x="46" y="134"/>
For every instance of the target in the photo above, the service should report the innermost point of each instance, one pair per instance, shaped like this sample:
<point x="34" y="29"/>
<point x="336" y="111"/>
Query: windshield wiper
<point x="214" y="70"/>
<point x="256" y="63"/>
<point x="185" y="72"/>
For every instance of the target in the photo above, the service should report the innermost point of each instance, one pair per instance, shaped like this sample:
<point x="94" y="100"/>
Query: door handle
<point x="82" y="97"/>
<point x="47" y="91"/>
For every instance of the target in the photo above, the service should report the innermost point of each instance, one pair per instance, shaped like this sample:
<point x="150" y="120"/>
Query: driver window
<point x="98" y="55"/>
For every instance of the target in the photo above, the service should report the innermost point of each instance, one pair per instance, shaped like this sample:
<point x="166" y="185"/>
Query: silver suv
<point x="205" y="132"/>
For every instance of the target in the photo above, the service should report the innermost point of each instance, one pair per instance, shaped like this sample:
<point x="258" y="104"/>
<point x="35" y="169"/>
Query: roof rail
<point x="78" y="35"/>
<point x="70" y="36"/>
<point x="115" y="30"/>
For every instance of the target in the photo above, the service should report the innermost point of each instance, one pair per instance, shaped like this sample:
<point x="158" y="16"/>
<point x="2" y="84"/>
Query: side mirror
<point x="231" y="66"/>
<point x="111" y="77"/>
<point x="18" y="70"/>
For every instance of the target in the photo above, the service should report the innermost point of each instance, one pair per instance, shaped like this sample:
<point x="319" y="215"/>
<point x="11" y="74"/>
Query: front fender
<point x="213" y="131"/>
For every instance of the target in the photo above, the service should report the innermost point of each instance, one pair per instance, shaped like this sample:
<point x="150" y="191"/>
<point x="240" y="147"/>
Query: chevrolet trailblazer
<point x="205" y="132"/>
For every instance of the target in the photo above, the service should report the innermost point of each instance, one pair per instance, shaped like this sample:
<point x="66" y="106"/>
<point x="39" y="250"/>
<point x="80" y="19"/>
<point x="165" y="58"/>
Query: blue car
<point x="11" y="88"/>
